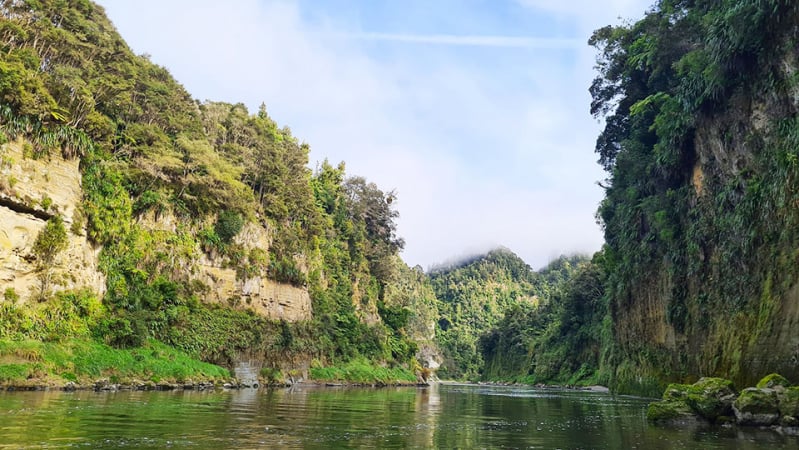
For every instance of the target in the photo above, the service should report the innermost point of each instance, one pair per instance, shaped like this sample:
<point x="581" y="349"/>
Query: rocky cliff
<point x="33" y="190"/>
<point x="701" y="144"/>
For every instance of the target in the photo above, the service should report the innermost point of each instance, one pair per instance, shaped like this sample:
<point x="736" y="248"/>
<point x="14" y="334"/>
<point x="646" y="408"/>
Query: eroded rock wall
<point x="31" y="191"/>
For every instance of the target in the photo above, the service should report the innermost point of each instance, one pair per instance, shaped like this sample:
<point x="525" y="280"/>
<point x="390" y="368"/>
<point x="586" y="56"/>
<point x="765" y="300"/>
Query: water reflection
<point x="440" y="416"/>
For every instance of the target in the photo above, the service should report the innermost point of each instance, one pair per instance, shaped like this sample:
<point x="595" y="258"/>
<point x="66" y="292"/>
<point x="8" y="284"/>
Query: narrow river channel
<point x="440" y="416"/>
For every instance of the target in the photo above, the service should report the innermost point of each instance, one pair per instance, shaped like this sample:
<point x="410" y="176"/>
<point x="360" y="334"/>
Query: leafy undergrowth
<point x="30" y="362"/>
<point x="362" y="371"/>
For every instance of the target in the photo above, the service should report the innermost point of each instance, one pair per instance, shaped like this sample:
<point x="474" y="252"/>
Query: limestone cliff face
<point x="31" y="191"/>
<point x="264" y="296"/>
<point x="228" y="287"/>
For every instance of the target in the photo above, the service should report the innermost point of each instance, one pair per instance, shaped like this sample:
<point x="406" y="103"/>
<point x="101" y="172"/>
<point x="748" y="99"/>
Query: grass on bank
<point x="84" y="361"/>
<point x="363" y="371"/>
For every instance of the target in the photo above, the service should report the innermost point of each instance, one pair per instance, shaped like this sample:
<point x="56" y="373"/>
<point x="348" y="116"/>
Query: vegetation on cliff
<point x="700" y="148"/>
<point x="149" y="153"/>
<point x="698" y="276"/>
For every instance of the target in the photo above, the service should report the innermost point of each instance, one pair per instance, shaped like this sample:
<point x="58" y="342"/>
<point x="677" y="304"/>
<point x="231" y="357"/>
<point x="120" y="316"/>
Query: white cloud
<point x="479" y="156"/>
<point x="592" y="13"/>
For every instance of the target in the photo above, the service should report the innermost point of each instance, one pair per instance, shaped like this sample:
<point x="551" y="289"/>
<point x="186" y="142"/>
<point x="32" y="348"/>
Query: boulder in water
<point x="757" y="406"/>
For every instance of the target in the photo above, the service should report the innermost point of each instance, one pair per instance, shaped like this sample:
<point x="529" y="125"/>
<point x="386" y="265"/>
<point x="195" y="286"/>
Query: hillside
<point x="132" y="212"/>
<point x="475" y="295"/>
<point x="556" y="341"/>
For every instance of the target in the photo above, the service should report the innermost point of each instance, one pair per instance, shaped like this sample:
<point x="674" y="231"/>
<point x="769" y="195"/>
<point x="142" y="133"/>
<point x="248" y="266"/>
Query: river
<point x="440" y="416"/>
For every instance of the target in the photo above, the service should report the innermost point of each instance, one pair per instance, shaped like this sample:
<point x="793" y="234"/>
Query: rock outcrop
<point x="32" y="191"/>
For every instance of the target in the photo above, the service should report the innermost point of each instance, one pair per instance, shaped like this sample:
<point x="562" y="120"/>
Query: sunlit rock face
<point x="31" y="191"/>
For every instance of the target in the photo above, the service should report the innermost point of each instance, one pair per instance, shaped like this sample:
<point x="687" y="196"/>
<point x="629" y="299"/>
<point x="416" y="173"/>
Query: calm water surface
<point x="443" y="416"/>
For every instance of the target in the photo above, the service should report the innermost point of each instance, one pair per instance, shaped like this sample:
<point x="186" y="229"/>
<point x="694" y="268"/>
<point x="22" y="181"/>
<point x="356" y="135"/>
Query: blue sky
<point x="475" y="111"/>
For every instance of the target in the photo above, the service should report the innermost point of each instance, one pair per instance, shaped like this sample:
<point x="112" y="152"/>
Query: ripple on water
<point x="438" y="417"/>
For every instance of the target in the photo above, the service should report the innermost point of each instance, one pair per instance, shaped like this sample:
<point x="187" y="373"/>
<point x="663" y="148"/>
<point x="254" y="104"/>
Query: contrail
<point x="468" y="40"/>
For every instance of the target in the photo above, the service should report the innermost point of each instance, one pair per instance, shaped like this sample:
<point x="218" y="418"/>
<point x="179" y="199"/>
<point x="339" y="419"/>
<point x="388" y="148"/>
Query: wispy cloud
<point x="467" y="40"/>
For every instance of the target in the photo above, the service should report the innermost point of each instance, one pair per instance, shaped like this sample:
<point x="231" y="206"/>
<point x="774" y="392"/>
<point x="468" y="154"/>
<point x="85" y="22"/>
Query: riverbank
<point x="84" y="364"/>
<point x="574" y="387"/>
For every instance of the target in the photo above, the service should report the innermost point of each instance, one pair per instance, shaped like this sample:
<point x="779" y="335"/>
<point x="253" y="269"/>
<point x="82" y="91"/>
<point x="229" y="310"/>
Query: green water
<point x="443" y="416"/>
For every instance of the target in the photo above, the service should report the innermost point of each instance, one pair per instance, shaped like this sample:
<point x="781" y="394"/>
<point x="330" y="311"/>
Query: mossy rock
<point x="676" y="392"/>
<point x="757" y="407"/>
<point x="711" y="398"/>
<point x="670" y="412"/>
<point x="773" y="381"/>
<point x="716" y="386"/>
<point x="789" y="401"/>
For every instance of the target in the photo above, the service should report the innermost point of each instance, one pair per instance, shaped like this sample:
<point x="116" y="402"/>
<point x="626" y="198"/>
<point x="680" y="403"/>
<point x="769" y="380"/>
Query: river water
<point x="440" y="416"/>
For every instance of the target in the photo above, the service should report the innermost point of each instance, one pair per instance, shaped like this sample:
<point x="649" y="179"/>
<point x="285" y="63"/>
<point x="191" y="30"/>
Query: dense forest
<point x="699" y="101"/>
<point x="480" y="297"/>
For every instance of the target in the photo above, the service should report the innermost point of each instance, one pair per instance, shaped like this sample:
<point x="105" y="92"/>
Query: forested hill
<point x="141" y="215"/>
<point x="701" y="144"/>
<point x="558" y="340"/>
<point x="475" y="294"/>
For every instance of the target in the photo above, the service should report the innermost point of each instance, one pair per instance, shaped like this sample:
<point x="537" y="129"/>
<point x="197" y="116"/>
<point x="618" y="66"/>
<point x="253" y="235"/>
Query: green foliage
<point x="149" y="152"/>
<point x="285" y="269"/>
<point x="228" y="225"/>
<point x="688" y="232"/>
<point x="51" y="241"/>
<point x="475" y="295"/>
<point x="557" y="341"/>
<point x="10" y="295"/>
<point x="46" y="202"/>
<point x="156" y="201"/>
<point x="107" y="203"/>
<point x="64" y="315"/>
<point x="271" y="375"/>
<point x="83" y="361"/>
<point x="363" y="371"/>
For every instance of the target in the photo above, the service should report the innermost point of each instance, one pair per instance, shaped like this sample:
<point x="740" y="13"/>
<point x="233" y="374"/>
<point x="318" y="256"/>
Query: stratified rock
<point x="757" y="407"/>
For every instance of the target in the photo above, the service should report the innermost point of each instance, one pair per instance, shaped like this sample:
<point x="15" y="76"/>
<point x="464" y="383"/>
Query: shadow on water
<point x="440" y="416"/>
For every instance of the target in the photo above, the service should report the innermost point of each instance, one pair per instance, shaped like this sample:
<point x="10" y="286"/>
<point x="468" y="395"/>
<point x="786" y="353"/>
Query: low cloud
<point x="486" y="139"/>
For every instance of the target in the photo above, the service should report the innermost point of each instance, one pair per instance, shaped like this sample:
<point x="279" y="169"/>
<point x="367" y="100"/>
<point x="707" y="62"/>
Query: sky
<point x="476" y="112"/>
